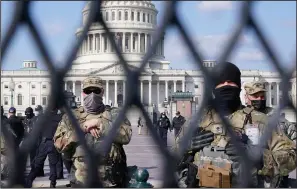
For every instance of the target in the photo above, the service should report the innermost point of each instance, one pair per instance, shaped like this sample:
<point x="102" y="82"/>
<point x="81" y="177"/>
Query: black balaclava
<point x="29" y="113"/>
<point x="259" y="105"/>
<point x="229" y="96"/>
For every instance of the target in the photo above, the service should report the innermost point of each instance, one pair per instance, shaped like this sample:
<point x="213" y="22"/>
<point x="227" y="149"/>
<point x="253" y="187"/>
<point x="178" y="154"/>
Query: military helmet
<point x="29" y="110"/>
<point x="92" y="81"/>
<point x="39" y="108"/>
<point x="254" y="87"/>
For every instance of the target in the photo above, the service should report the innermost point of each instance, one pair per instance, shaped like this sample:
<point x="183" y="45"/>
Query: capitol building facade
<point x="132" y="23"/>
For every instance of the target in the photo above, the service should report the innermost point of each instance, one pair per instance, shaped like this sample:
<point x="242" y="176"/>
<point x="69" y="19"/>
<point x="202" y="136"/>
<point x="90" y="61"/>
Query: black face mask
<point x="29" y="115"/>
<point x="259" y="105"/>
<point x="229" y="98"/>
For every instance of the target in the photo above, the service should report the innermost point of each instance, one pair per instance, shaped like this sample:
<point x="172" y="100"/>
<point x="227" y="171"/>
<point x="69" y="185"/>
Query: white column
<point x="65" y="85"/>
<point x="166" y="90"/>
<point x="116" y="93"/>
<point x="183" y="85"/>
<point x="93" y="45"/>
<point x="145" y="42"/>
<point x="131" y="43"/>
<point x="150" y="92"/>
<point x="141" y="91"/>
<point x="174" y="86"/>
<point x="124" y="90"/>
<point x="100" y="43"/>
<point x="73" y="87"/>
<point x="107" y="92"/>
<point x="81" y="94"/>
<point x="124" y="41"/>
<point x="88" y="44"/>
<point x="269" y="95"/>
<point x="277" y="93"/>
<point x="40" y="99"/>
<point x="158" y="93"/>
<point x="29" y="93"/>
<point x="138" y="45"/>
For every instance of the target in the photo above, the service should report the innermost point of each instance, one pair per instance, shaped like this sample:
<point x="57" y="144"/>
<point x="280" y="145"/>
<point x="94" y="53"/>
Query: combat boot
<point x="53" y="185"/>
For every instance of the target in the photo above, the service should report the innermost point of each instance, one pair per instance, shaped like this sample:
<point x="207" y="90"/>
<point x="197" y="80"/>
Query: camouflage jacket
<point x="280" y="152"/>
<point x="288" y="128"/>
<point x="67" y="143"/>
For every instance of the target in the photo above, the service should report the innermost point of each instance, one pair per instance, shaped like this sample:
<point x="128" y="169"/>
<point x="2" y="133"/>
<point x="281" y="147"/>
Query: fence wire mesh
<point x="246" y="21"/>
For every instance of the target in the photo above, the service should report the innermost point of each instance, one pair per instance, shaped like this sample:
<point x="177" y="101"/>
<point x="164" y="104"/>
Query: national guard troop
<point x="47" y="149"/>
<point x="163" y="126"/>
<point x="95" y="122"/>
<point x="28" y="122"/>
<point x="177" y="122"/>
<point x="38" y="113"/>
<point x="4" y="159"/>
<point x="255" y="97"/>
<point x="214" y="157"/>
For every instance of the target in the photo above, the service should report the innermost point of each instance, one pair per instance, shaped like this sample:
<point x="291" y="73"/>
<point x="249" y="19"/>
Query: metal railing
<point x="246" y="20"/>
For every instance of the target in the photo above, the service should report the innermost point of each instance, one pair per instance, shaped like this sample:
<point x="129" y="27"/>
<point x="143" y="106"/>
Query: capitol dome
<point x="132" y="24"/>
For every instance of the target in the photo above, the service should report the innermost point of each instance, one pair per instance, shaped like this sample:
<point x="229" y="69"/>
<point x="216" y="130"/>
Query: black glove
<point x="201" y="139"/>
<point x="231" y="151"/>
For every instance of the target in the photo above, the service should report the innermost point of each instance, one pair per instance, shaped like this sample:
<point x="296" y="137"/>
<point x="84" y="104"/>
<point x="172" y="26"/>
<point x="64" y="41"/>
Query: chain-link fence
<point x="246" y="21"/>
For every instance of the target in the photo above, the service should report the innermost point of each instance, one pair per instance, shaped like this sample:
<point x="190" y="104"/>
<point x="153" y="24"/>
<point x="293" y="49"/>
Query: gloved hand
<point x="231" y="149"/>
<point x="201" y="139"/>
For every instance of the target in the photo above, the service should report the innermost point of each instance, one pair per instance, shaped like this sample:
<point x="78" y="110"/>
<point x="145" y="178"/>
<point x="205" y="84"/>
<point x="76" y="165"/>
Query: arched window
<point x="20" y="99"/>
<point x="143" y="17"/>
<point x="113" y="16"/>
<point x="106" y="16"/>
<point x="132" y="16"/>
<point x="148" y="18"/>
<point x="126" y="15"/>
<point x="138" y="16"/>
<point x="120" y="15"/>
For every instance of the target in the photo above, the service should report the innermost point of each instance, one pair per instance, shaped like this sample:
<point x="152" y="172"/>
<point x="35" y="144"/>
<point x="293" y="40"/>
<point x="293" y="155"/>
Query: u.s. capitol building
<point x="132" y="23"/>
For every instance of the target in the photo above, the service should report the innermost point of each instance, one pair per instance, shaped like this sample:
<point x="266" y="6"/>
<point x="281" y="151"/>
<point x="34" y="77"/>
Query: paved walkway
<point x="142" y="151"/>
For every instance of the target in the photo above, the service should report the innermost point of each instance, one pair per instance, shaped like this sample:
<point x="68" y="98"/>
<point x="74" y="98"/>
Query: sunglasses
<point x="92" y="90"/>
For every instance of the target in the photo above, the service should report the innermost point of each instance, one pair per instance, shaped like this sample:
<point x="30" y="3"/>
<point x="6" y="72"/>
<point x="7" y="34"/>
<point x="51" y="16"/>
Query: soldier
<point x="4" y="158"/>
<point x="95" y="123"/>
<point x="38" y="113"/>
<point x="216" y="154"/>
<point x="47" y="148"/>
<point x="177" y="122"/>
<point x="163" y="126"/>
<point x="255" y="97"/>
<point x="28" y="122"/>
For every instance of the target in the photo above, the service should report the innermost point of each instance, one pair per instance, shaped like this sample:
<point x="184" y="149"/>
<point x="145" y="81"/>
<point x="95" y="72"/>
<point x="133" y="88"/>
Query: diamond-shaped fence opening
<point x="246" y="21"/>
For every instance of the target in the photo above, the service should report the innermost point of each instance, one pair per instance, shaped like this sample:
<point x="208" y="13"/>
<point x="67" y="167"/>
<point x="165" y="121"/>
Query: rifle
<point x="187" y="162"/>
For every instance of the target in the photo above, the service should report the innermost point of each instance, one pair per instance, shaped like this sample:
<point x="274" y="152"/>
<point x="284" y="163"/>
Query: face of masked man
<point x="29" y="113"/>
<point x="93" y="101"/>
<point x="257" y="100"/>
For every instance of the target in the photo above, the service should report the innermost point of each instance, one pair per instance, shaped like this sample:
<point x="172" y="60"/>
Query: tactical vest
<point x="238" y="120"/>
<point x="114" y="163"/>
<point x="215" y="168"/>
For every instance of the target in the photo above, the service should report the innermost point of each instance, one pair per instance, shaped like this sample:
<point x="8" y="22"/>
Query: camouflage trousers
<point x="4" y="166"/>
<point x="79" y="174"/>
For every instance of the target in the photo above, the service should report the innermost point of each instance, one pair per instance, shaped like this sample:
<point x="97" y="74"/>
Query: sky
<point x="209" y="23"/>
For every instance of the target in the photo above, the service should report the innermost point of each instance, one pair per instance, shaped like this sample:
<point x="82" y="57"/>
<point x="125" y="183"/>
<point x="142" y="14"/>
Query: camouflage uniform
<point x="280" y="150"/>
<point x="288" y="128"/>
<point x="112" y="172"/>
